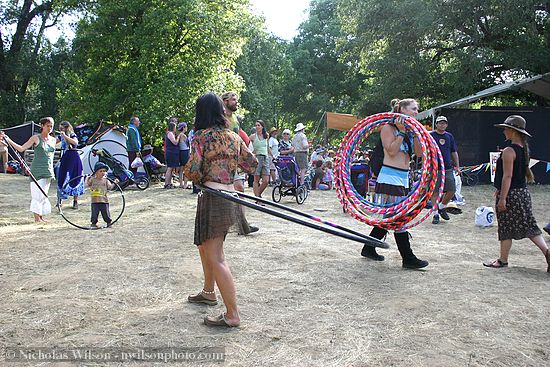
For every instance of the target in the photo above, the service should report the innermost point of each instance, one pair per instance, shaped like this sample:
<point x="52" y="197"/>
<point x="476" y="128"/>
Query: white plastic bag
<point x="136" y="163"/>
<point x="485" y="216"/>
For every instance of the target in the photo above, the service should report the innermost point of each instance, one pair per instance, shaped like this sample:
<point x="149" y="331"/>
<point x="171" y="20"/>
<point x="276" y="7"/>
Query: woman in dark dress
<point x="70" y="166"/>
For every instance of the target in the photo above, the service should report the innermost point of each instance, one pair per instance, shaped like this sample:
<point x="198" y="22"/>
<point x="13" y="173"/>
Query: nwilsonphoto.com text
<point x="166" y="355"/>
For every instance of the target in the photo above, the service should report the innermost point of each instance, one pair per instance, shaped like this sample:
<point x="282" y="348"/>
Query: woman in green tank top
<point x="260" y="141"/>
<point x="41" y="167"/>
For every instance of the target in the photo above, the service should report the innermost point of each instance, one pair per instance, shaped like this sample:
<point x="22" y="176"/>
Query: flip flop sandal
<point x="495" y="264"/>
<point x="217" y="321"/>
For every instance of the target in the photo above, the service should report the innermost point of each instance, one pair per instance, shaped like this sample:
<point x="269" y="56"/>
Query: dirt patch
<point x="306" y="298"/>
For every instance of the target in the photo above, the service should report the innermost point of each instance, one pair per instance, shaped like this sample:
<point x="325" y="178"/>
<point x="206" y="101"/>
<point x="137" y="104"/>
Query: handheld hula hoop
<point x="26" y="167"/>
<point x="117" y="188"/>
<point x="332" y="228"/>
<point x="399" y="215"/>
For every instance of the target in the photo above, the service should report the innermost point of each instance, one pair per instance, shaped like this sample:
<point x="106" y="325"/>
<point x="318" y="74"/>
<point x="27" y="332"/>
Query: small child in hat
<point x="99" y="185"/>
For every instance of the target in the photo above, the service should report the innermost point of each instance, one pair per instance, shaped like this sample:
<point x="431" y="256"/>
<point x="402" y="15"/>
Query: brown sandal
<point x="217" y="321"/>
<point x="199" y="298"/>
<point x="495" y="264"/>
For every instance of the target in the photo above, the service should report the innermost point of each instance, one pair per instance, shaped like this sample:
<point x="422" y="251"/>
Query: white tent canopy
<point x="114" y="141"/>
<point x="539" y="85"/>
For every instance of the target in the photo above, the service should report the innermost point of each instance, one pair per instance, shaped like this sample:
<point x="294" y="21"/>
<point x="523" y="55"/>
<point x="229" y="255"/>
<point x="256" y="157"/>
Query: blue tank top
<point x="171" y="148"/>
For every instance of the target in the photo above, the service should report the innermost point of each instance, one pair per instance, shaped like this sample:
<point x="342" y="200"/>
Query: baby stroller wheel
<point x="141" y="182"/>
<point x="277" y="193"/>
<point x="301" y="194"/>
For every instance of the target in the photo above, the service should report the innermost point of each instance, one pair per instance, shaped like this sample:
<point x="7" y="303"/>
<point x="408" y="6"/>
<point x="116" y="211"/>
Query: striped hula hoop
<point x="402" y="214"/>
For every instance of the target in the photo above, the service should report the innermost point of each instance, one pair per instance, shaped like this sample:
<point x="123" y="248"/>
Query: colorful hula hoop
<point x="400" y="215"/>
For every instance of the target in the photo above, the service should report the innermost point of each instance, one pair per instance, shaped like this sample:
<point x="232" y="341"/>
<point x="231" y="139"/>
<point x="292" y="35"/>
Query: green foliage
<point x="324" y="79"/>
<point x="29" y="65"/>
<point x="438" y="51"/>
<point x="154" y="58"/>
<point x="265" y="69"/>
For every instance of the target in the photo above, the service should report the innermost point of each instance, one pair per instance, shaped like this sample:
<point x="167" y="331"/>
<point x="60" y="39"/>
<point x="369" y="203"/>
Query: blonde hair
<point x="68" y="127"/>
<point x="228" y="95"/>
<point x="397" y="104"/>
<point x="529" y="176"/>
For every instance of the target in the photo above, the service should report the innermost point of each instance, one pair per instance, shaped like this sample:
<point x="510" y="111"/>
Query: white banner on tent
<point x="532" y="162"/>
<point x="493" y="157"/>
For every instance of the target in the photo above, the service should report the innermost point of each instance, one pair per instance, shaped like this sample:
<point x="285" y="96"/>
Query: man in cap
<point x="149" y="159"/>
<point x="447" y="146"/>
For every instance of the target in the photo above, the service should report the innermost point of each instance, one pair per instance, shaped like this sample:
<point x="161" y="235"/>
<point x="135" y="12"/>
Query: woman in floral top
<point x="216" y="153"/>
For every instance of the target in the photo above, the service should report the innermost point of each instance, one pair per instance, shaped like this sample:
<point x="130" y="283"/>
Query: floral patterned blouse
<point x="215" y="154"/>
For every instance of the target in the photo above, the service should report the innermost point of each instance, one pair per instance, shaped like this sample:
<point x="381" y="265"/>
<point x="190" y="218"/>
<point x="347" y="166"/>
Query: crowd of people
<point x="217" y="154"/>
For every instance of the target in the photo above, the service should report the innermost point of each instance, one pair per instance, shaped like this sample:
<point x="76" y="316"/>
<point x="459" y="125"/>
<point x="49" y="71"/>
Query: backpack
<point x="376" y="158"/>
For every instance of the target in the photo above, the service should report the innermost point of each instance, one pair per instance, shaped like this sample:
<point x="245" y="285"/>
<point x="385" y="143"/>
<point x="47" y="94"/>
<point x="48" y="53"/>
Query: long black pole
<point x="234" y="196"/>
<point x="317" y="219"/>
<point x="26" y="167"/>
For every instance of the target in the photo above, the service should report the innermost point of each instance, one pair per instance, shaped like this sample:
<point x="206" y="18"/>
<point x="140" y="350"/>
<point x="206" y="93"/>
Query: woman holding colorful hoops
<point x="393" y="180"/>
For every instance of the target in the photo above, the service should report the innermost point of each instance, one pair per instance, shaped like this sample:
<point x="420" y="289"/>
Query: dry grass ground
<point x="306" y="298"/>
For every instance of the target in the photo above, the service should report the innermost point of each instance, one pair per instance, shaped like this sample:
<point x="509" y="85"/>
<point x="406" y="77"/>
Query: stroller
<point x="361" y="178"/>
<point x="119" y="171"/>
<point x="288" y="181"/>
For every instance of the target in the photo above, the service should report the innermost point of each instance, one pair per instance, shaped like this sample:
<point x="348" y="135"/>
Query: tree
<point x="326" y="78"/>
<point x="22" y="27"/>
<point x="265" y="69"/>
<point x="438" y="50"/>
<point x="154" y="58"/>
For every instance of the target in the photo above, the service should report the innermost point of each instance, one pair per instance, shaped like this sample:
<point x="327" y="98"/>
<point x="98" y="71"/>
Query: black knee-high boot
<point x="370" y="251"/>
<point x="409" y="259"/>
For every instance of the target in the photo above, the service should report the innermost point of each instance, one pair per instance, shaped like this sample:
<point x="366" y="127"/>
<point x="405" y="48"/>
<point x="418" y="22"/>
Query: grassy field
<point x="306" y="298"/>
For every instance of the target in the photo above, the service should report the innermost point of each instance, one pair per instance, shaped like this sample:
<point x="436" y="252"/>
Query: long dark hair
<point x="209" y="112"/>
<point x="265" y="135"/>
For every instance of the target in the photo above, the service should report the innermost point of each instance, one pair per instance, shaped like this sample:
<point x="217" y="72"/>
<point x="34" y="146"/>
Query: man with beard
<point x="231" y="104"/>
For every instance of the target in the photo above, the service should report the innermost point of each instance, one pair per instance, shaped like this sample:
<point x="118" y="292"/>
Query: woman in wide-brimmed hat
<point x="513" y="201"/>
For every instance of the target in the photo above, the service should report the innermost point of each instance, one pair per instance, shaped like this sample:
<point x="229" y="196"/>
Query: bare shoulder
<point x="508" y="153"/>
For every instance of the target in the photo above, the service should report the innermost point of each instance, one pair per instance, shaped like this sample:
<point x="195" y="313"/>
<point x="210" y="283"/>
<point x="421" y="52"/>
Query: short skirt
<point x="184" y="157"/>
<point x="392" y="181"/>
<point x="173" y="159"/>
<point x="517" y="221"/>
<point x="215" y="217"/>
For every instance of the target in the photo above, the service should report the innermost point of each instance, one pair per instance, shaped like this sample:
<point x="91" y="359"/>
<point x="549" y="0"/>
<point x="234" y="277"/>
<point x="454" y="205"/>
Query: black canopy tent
<point x="21" y="133"/>
<point x="539" y="85"/>
<point x="474" y="131"/>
